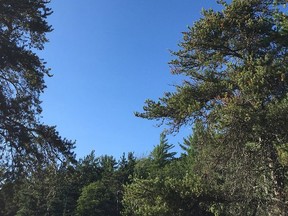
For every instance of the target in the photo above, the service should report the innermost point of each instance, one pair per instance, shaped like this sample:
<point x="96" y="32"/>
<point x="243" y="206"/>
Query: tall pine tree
<point x="235" y="61"/>
<point x="25" y="142"/>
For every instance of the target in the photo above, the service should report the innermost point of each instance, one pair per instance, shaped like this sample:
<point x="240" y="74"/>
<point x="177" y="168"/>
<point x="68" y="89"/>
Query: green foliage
<point x="97" y="199"/>
<point x="103" y="196"/>
<point x="8" y="206"/>
<point x="235" y="96"/>
<point x="174" y="191"/>
<point x="169" y="189"/>
<point x="143" y="197"/>
<point x="125" y="168"/>
<point x="36" y="193"/>
<point x="108" y="164"/>
<point x="32" y="195"/>
<point x="224" y="56"/>
<point x="160" y="154"/>
<point x="88" y="169"/>
<point x="159" y="157"/>
<point x="63" y="189"/>
<point x="235" y="61"/>
<point x="25" y="141"/>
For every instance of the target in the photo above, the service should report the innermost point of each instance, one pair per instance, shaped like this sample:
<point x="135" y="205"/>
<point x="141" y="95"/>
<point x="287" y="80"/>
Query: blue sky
<point x="108" y="57"/>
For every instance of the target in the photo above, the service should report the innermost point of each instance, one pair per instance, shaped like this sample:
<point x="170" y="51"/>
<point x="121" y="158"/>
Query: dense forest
<point x="234" y="97"/>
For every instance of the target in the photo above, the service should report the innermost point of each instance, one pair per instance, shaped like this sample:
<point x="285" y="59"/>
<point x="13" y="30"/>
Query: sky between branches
<point x="108" y="57"/>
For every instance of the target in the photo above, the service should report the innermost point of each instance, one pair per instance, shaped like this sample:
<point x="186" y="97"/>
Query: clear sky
<point x="108" y="57"/>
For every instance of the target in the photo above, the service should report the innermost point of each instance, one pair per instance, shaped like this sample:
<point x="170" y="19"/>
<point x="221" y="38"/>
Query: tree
<point x="76" y="185"/>
<point x="125" y="168"/>
<point x="25" y="141"/>
<point x="171" y="189"/>
<point x="236" y="65"/>
<point x="8" y="207"/>
<point x="88" y="169"/>
<point x="158" y="158"/>
<point x="36" y="193"/>
<point x="160" y="154"/>
<point x="101" y="181"/>
<point x="97" y="198"/>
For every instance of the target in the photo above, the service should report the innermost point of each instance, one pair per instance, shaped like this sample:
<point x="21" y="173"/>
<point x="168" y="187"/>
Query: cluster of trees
<point x="159" y="184"/>
<point x="92" y="186"/>
<point x="235" y="96"/>
<point x="201" y="181"/>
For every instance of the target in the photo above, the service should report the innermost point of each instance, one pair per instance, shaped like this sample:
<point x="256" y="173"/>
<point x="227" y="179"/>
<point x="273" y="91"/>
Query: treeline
<point x="195" y="183"/>
<point x="90" y="186"/>
<point x="156" y="185"/>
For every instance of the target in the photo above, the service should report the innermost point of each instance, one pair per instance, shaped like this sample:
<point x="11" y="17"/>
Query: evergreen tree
<point x="125" y="168"/>
<point x="160" y="154"/>
<point x="235" y="61"/>
<point x="172" y="189"/>
<point x="25" y="141"/>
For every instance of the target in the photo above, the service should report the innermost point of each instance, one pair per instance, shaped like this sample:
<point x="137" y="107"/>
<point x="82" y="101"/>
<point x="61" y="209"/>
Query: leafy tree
<point x="236" y="65"/>
<point x="97" y="199"/>
<point x="100" y="182"/>
<point x="72" y="180"/>
<point x="124" y="175"/>
<point x="101" y="197"/>
<point x="25" y="141"/>
<point x="191" y="143"/>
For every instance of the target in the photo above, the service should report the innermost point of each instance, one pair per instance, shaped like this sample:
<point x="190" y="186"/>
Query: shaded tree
<point x="25" y="140"/>
<point x="125" y="168"/>
<point x="8" y="206"/>
<point x="88" y="169"/>
<point x="37" y="192"/>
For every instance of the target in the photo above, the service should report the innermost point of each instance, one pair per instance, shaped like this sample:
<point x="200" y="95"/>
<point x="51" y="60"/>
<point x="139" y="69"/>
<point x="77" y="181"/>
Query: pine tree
<point x="160" y="154"/>
<point x="235" y="61"/>
<point x="25" y="142"/>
